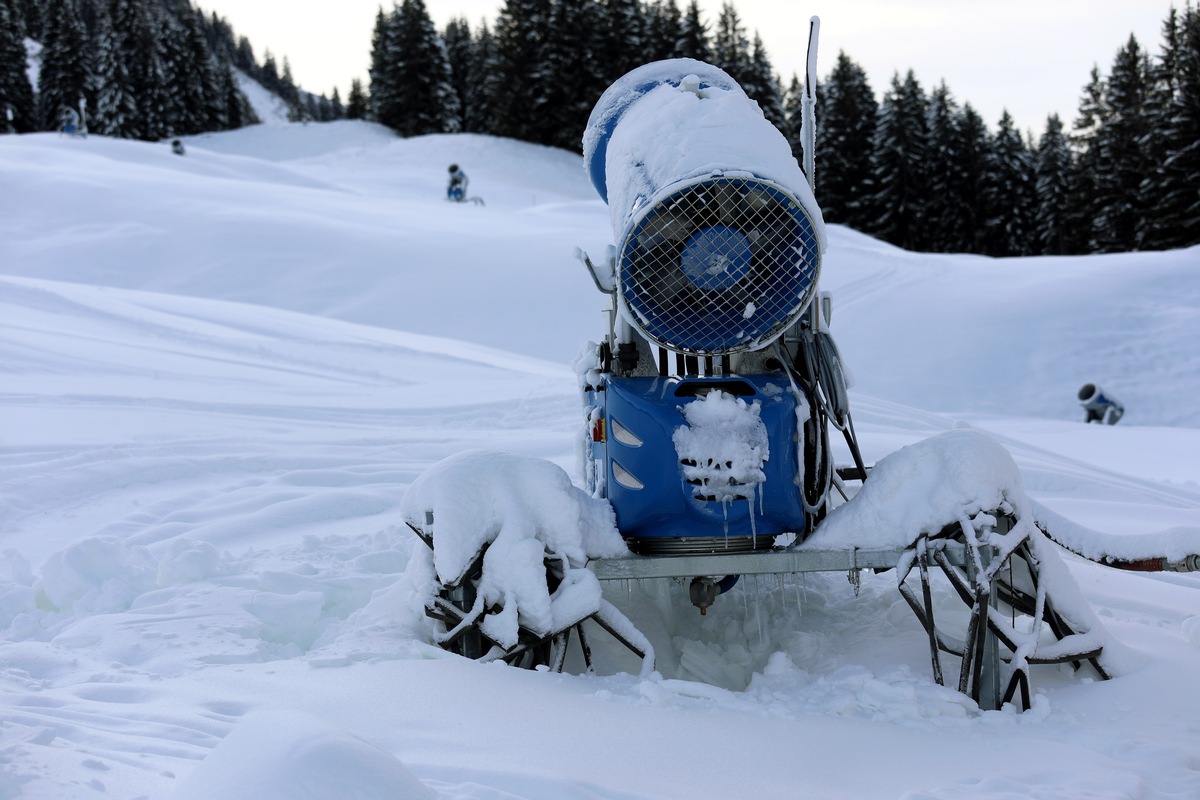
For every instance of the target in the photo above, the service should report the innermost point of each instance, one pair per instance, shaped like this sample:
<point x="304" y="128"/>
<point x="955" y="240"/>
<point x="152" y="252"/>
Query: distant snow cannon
<point x="719" y="237"/>
<point x="1100" y="406"/>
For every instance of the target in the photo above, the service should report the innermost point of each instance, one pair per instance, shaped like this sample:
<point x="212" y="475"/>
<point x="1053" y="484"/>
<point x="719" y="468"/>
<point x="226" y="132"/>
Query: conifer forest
<point x="909" y="164"/>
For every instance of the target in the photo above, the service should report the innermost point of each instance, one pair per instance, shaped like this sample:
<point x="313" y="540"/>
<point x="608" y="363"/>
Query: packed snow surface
<point x="223" y="372"/>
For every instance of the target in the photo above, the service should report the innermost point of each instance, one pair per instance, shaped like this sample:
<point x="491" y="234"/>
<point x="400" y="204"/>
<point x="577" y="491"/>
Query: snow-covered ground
<point x="222" y="371"/>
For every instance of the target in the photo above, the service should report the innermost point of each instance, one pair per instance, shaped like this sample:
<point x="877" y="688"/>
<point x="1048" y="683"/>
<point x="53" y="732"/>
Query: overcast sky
<point x="1031" y="57"/>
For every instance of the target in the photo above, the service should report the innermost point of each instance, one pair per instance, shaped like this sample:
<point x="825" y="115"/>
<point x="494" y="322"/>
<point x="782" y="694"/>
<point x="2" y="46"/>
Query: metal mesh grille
<point x="720" y="266"/>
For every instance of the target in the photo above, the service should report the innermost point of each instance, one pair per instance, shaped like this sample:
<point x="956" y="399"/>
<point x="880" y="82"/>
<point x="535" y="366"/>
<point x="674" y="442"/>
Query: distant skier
<point x="177" y="147"/>
<point x="457" y="190"/>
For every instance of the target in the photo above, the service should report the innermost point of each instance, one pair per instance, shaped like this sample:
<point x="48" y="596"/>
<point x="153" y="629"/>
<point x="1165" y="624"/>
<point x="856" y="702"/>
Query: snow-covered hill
<point x="221" y="372"/>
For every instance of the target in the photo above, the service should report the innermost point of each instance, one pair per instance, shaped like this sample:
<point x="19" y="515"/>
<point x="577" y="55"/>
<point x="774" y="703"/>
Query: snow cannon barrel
<point x="719" y="237"/>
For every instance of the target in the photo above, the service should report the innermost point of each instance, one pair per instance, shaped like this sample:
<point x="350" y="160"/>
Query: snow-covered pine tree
<point x="793" y="116"/>
<point x="972" y="146"/>
<point x="1008" y="193"/>
<point x="423" y="86"/>
<point x="622" y="41"/>
<point x="32" y="17"/>
<point x="460" y="58"/>
<point x="199" y="70"/>
<point x="243" y="57"/>
<point x="235" y="107"/>
<point x="116" y="111"/>
<point x="148" y="72"/>
<point x="1171" y="189"/>
<point x="1052" y="185"/>
<point x="693" y="41"/>
<point x="1122" y="163"/>
<point x="1082" y="210"/>
<point x="847" y="114"/>
<point x="520" y="73"/>
<point x="761" y="84"/>
<point x="477" y="116"/>
<point x="65" y="75"/>
<point x="572" y="58"/>
<point x="16" y="93"/>
<point x="899" y="166"/>
<point x="297" y="103"/>
<point x="384" y="108"/>
<point x="730" y="47"/>
<point x="664" y="30"/>
<point x="946" y="222"/>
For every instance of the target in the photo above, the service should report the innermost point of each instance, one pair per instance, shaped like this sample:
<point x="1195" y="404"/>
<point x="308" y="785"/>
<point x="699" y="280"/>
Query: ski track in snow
<point x="205" y="444"/>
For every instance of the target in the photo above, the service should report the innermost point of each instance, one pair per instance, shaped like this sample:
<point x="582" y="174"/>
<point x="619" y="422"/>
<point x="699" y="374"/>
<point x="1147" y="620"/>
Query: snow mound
<point x="288" y="755"/>
<point x="922" y="488"/>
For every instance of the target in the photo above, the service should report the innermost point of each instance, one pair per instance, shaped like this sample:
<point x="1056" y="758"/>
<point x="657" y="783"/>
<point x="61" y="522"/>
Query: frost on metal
<point x="723" y="447"/>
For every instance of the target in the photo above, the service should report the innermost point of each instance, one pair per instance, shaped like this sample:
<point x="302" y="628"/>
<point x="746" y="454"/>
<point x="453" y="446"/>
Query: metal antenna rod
<point x="808" y="116"/>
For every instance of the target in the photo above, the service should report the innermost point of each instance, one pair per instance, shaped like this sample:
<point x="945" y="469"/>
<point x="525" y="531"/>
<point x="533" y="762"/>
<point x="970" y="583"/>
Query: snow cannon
<point x="707" y="419"/>
<point x="699" y="391"/>
<point x="719" y="238"/>
<point x="1099" y="405"/>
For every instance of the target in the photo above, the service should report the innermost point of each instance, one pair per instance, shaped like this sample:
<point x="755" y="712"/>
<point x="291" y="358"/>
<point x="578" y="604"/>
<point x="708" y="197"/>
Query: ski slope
<point x="222" y="371"/>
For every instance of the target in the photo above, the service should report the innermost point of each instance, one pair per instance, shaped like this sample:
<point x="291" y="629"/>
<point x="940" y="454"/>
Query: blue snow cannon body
<point x="717" y="254"/>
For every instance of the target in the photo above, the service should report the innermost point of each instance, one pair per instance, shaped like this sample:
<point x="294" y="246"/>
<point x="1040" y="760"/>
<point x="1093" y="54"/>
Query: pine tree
<point x="298" y="109"/>
<point x="730" y="47"/>
<point x="664" y="30"/>
<point x="478" y="116"/>
<point x="116" y="101"/>
<point x="336" y="109"/>
<point x="1082" y="209"/>
<point x="1008" y="193"/>
<point x="520" y="73"/>
<point x="358" y="105"/>
<point x="971" y="149"/>
<point x="1052" y="174"/>
<point x="847" y="114"/>
<point x="947" y="224"/>
<point x="793" y="117"/>
<point x="693" y="40"/>
<point x="148" y="73"/>
<point x="1171" y="190"/>
<point x="244" y="57"/>
<point x="384" y="109"/>
<point x="622" y="38"/>
<point x="425" y="91"/>
<point x="235" y="108"/>
<point x="460" y="58"/>
<point x="31" y="16"/>
<point x="900" y="166"/>
<point x="1122" y="160"/>
<point x="16" y="94"/>
<point x="192" y="74"/>
<point x="65" y="76"/>
<point x="578" y="79"/>
<point x="761" y="85"/>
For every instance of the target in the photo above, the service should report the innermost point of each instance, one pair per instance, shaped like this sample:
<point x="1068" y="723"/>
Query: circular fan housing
<point x="719" y="266"/>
